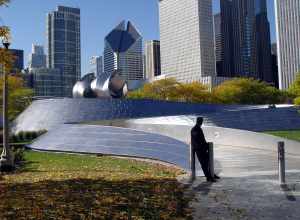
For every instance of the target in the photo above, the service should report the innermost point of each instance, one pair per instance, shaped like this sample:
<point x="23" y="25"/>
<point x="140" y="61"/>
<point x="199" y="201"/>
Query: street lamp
<point x="7" y="158"/>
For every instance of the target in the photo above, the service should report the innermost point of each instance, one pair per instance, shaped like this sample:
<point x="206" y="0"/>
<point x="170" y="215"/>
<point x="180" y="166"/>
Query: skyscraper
<point x="224" y="40"/>
<point x="37" y="58"/>
<point x="96" y="64"/>
<point x="152" y="62"/>
<point x="46" y="82"/>
<point x="123" y="51"/>
<point x="18" y="64"/>
<point x="187" y="39"/>
<point x="244" y="52"/>
<point x="288" y="40"/>
<point x="63" y="33"/>
<point x="218" y="44"/>
<point x="263" y="43"/>
<point x="244" y="42"/>
<point x="275" y="64"/>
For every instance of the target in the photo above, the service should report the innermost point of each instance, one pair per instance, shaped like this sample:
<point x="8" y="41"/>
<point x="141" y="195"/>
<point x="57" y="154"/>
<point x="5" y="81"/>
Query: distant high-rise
<point x="244" y="40"/>
<point x="123" y="51"/>
<point x="37" y="58"/>
<point x="218" y="44"/>
<point x="288" y="40"/>
<point x="275" y="64"/>
<point x="224" y="40"/>
<point x="47" y="82"/>
<point x="244" y="53"/>
<point x="96" y="64"/>
<point x="18" y="64"/>
<point x="187" y="40"/>
<point x="63" y="33"/>
<point x="152" y="62"/>
<point x="263" y="43"/>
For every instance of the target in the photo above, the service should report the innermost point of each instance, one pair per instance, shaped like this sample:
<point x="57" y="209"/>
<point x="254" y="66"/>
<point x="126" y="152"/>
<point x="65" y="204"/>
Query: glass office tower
<point x="63" y="33"/>
<point x="123" y="51"/>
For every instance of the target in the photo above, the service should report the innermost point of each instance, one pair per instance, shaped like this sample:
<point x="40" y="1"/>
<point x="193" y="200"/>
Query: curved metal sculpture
<point x="104" y="86"/>
<point x="82" y="89"/>
<point x="117" y="86"/>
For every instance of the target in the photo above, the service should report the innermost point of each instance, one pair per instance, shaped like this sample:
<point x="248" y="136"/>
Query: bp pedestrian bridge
<point x="161" y="131"/>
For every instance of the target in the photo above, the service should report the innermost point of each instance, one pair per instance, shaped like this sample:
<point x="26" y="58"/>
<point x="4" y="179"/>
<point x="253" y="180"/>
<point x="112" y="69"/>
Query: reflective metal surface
<point x="103" y="86"/>
<point x="82" y="89"/>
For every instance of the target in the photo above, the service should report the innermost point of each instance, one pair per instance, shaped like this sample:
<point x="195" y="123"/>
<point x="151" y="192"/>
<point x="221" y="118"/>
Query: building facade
<point x="152" y="59"/>
<point x="96" y="65"/>
<point x="18" y="64"/>
<point x="37" y="58"/>
<point x="123" y="51"/>
<point x="244" y="52"/>
<point x="218" y="44"/>
<point x="263" y="43"/>
<point x="288" y="40"/>
<point x="47" y="82"/>
<point x="187" y="39"/>
<point x="63" y="33"/>
<point x="243" y="41"/>
<point x="275" y="64"/>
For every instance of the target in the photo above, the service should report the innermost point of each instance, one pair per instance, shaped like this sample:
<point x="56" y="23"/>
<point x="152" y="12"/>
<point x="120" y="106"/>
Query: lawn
<point x="64" y="186"/>
<point x="293" y="134"/>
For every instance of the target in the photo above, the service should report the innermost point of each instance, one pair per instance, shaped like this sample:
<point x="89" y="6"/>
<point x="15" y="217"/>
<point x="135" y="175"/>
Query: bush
<point x="295" y="87"/>
<point x="19" y="154"/>
<point x="297" y="101"/>
<point x="25" y="136"/>
<point x="171" y="90"/>
<point x="247" y="91"/>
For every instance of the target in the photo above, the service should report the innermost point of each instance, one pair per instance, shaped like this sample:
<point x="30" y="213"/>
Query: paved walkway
<point x="257" y="197"/>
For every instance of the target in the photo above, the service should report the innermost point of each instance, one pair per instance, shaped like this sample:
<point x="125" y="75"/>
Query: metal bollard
<point x="192" y="163"/>
<point x="211" y="159"/>
<point x="281" y="162"/>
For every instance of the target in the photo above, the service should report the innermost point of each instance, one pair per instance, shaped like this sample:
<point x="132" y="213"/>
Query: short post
<point x="211" y="159"/>
<point x="281" y="162"/>
<point x="192" y="163"/>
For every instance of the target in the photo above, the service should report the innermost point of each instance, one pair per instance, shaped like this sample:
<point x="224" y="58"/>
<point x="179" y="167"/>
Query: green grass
<point x="64" y="186"/>
<point x="292" y="134"/>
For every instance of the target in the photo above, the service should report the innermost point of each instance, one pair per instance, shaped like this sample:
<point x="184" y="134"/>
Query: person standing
<point x="201" y="147"/>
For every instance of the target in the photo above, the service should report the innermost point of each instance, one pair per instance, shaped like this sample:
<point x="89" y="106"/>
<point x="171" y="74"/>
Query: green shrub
<point x="19" y="154"/>
<point x="20" y="136"/>
<point x="27" y="135"/>
<point x="247" y="91"/>
<point x="297" y="101"/>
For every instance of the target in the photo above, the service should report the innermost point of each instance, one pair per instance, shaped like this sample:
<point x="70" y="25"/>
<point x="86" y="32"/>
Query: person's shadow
<point x="203" y="188"/>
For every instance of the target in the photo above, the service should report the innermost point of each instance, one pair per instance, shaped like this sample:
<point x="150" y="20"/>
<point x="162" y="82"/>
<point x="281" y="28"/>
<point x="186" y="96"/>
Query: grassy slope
<point x="293" y="135"/>
<point x="62" y="186"/>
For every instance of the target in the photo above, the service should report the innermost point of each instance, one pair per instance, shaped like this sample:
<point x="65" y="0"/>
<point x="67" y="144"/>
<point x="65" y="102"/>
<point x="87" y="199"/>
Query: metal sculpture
<point x="103" y="86"/>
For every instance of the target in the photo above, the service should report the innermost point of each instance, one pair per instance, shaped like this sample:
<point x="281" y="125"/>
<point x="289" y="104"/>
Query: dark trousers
<point x="203" y="158"/>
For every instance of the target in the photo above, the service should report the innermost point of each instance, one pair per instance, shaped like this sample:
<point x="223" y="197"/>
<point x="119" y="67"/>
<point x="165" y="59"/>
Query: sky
<point x="27" y="19"/>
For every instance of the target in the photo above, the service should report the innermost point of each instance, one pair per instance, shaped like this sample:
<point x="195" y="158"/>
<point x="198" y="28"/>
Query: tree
<point x="295" y="87"/>
<point x="294" y="90"/>
<point x="171" y="90"/>
<point x="194" y="92"/>
<point x="297" y="101"/>
<point x="159" y="90"/>
<point x="246" y="91"/>
<point x="4" y="2"/>
<point x="19" y="96"/>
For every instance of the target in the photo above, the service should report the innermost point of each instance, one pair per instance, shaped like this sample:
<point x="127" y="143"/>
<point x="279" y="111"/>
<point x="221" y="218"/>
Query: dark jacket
<point x="198" y="140"/>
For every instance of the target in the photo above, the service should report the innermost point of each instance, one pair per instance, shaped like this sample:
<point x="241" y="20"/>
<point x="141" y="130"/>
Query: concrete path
<point x="256" y="197"/>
